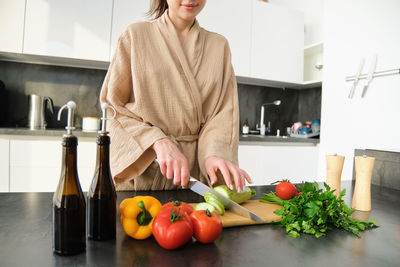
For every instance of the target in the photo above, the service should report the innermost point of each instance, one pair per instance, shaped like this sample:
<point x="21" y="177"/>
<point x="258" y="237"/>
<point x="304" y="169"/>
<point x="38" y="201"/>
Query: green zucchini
<point x="236" y="196"/>
<point x="205" y="206"/>
<point x="213" y="200"/>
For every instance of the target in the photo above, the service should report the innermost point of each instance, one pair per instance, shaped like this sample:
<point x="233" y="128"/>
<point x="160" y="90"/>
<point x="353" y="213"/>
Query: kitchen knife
<point x="370" y="75"/>
<point x="357" y="78"/>
<point x="200" y="188"/>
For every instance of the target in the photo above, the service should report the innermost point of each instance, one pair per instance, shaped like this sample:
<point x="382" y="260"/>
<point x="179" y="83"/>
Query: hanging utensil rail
<point x="376" y="74"/>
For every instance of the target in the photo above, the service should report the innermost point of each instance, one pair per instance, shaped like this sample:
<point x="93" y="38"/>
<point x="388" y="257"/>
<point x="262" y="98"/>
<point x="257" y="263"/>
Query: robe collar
<point x="189" y="55"/>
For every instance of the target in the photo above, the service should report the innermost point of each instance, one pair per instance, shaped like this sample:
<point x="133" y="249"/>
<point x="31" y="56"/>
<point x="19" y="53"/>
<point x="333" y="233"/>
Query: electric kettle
<point x="37" y="108"/>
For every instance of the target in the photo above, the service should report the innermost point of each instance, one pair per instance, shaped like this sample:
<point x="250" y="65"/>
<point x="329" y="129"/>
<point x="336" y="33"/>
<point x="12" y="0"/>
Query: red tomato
<point x="178" y="205"/>
<point x="207" y="226"/>
<point x="285" y="190"/>
<point x="172" y="229"/>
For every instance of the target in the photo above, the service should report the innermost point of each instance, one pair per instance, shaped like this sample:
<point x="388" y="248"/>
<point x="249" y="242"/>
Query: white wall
<point x="352" y="30"/>
<point x="313" y="17"/>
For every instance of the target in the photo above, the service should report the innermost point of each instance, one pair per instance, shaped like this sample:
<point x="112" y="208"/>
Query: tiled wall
<point x="59" y="83"/>
<point x="83" y="86"/>
<point x="386" y="171"/>
<point x="296" y="105"/>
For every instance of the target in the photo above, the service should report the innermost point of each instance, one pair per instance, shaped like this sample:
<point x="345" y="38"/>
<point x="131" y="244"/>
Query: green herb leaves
<point x="316" y="211"/>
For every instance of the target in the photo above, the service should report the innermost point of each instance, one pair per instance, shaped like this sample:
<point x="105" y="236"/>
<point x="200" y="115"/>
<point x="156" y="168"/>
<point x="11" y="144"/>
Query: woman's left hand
<point x="227" y="169"/>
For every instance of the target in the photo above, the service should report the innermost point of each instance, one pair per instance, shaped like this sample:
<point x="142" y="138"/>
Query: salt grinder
<point x="362" y="192"/>
<point x="334" y="167"/>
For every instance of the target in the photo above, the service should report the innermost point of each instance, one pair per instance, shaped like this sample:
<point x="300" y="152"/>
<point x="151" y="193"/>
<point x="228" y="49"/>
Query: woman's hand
<point x="173" y="164"/>
<point x="227" y="169"/>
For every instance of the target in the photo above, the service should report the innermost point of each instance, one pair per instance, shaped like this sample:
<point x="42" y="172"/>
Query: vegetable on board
<point x="238" y="197"/>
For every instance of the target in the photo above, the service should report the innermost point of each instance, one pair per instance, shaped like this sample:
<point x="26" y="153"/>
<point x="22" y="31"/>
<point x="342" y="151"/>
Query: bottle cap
<point x="71" y="105"/>
<point x="104" y="118"/>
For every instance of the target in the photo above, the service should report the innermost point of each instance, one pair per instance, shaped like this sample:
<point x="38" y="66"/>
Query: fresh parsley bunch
<point x="316" y="211"/>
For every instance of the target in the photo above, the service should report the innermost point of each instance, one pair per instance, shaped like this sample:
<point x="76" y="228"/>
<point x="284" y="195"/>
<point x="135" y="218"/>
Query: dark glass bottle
<point x="102" y="198"/>
<point x="69" y="220"/>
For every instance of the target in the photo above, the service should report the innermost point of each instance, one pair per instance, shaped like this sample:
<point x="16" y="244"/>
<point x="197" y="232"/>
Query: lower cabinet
<point x="35" y="165"/>
<point x="267" y="164"/>
<point x="4" y="164"/>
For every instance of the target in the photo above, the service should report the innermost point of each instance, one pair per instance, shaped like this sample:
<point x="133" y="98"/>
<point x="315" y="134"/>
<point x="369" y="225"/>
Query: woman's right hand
<point x="173" y="164"/>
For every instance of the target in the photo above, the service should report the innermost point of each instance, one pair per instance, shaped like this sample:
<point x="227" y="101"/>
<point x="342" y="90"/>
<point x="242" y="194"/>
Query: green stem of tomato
<point x="176" y="203"/>
<point x="208" y="213"/>
<point x="175" y="216"/>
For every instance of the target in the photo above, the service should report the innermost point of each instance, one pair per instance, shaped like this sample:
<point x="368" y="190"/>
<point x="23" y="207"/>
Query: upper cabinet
<point x="266" y="40"/>
<point x="277" y="50"/>
<point x="126" y="12"/>
<point x="71" y="29"/>
<point x="11" y="25"/>
<point x="232" y="19"/>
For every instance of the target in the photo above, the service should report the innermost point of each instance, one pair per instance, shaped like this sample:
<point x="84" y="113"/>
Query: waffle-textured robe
<point x="162" y="88"/>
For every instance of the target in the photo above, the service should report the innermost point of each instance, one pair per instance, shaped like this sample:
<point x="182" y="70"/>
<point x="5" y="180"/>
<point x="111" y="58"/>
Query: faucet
<point x="276" y="103"/>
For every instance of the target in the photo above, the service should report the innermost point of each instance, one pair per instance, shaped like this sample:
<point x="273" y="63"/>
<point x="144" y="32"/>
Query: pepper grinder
<point x="334" y="167"/>
<point x="362" y="191"/>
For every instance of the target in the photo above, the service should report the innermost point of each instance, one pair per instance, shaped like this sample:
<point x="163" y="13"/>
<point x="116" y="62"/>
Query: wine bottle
<point x="102" y="198"/>
<point x="69" y="218"/>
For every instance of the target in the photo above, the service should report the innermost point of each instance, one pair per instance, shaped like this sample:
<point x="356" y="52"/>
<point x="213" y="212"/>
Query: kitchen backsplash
<point x="83" y="86"/>
<point x="297" y="105"/>
<point x="59" y="83"/>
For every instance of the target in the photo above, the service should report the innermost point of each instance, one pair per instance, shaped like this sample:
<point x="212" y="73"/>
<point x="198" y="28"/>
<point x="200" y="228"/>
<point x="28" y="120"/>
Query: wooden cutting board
<point x="262" y="209"/>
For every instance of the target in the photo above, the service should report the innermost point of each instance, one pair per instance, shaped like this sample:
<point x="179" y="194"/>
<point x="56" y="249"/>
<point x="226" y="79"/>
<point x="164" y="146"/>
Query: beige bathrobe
<point x="161" y="88"/>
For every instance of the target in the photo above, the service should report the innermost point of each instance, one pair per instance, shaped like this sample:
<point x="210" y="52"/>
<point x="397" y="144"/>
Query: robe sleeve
<point x="220" y="134"/>
<point x="131" y="137"/>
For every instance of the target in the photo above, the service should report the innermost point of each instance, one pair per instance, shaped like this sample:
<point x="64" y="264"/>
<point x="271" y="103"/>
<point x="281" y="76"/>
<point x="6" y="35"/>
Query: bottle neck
<point x="103" y="153"/>
<point x="69" y="161"/>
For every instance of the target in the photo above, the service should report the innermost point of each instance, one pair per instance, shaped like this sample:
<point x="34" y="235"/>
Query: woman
<point x="174" y="90"/>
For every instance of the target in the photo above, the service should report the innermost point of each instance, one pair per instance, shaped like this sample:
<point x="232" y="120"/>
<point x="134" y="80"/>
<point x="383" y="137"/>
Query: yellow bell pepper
<point x="137" y="215"/>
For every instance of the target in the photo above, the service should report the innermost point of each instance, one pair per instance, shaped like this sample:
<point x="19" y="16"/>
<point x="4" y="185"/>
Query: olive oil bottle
<point x="69" y="218"/>
<point x="102" y="198"/>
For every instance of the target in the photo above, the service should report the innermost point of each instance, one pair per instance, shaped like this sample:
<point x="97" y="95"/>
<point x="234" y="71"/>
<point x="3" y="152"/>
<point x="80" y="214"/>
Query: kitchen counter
<point x="243" y="139"/>
<point x="21" y="131"/>
<point x="26" y="234"/>
<point x="276" y="140"/>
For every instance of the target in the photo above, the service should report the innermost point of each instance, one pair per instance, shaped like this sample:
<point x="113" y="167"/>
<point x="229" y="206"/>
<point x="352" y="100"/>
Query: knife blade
<point x="370" y="75"/>
<point x="357" y="78"/>
<point x="200" y="188"/>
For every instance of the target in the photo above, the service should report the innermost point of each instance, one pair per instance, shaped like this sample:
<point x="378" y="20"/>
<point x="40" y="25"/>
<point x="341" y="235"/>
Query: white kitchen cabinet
<point x="126" y="12"/>
<point x="267" y="164"/>
<point x="35" y="165"/>
<point x="313" y="62"/>
<point x="277" y="43"/>
<point x="12" y="14"/>
<point x="234" y="25"/>
<point x="4" y="165"/>
<point x="71" y="29"/>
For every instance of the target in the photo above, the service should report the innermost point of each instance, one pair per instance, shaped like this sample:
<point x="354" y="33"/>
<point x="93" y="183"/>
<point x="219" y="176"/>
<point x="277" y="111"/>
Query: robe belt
<point x="185" y="138"/>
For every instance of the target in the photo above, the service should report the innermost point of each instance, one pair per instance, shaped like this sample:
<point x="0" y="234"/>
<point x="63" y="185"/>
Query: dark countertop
<point x="21" y="131"/>
<point x="26" y="234"/>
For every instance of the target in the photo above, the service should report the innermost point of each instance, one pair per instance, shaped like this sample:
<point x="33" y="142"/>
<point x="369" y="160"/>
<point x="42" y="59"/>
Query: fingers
<point x="239" y="183"/>
<point x="246" y="176"/>
<point x="173" y="164"/>
<point x="212" y="174"/>
<point x="170" y="170"/>
<point x="184" y="176"/>
<point x="229" y="171"/>
<point x="225" y="173"/>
